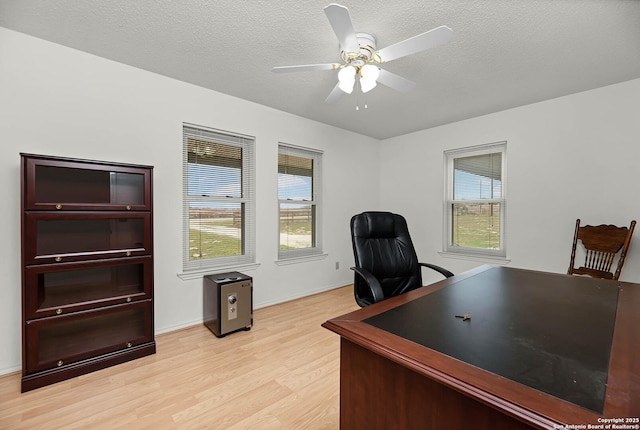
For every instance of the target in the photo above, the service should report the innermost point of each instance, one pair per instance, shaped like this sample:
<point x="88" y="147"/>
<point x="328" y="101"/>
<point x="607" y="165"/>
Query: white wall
<point x="571" y="157"/>
<point x="58" y="101"/>
<point x="567" y="158"/>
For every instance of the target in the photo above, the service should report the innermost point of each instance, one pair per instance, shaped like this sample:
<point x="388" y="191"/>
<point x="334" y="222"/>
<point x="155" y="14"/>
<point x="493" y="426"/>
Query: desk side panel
<point x="622" y="398"/>
<point x="377" y="393"/>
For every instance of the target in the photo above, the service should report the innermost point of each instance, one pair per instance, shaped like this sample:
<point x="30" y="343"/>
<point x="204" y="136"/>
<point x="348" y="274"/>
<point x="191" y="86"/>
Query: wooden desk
<point x="390" y="379"/>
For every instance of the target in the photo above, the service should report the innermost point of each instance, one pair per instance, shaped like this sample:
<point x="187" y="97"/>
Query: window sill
<point x="199" y="273"/>
<point x="302" y="259"/>
<point x="489" y="259"/>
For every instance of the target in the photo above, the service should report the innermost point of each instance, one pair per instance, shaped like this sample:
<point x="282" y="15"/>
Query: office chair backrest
<point x="602" y="244"/>
<point x="382" y="246"/>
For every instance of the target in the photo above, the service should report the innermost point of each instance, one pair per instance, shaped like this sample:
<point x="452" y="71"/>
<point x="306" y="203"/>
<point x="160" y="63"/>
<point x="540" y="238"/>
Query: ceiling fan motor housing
<point x="367" y="45"/>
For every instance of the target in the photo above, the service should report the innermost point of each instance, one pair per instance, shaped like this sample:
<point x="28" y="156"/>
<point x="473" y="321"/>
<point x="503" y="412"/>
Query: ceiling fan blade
<point x="430" y="39"/>
<point x="305" y="68"/>
<point x="340" y="20"/>
<point x="395" y="82"/>
<point x="334" y="95"/>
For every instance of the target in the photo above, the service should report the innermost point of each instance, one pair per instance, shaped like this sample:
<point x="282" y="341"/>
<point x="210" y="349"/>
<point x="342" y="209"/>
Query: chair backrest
<point x="382" y="246"/>
<point x="603" y="244"/>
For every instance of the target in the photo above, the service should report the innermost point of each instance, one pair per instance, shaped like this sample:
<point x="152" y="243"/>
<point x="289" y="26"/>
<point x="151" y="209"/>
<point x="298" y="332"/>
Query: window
<point x="298" y="201"/>
<point x="218" y="171"/>
<point x="475" y="203"/>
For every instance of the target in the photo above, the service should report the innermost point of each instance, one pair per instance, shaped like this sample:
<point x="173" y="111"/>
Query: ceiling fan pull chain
<point x="358" y="96"/>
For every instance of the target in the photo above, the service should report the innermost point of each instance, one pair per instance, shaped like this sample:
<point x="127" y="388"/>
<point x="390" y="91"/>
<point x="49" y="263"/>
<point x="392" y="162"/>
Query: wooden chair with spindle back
<point x="602" y="245"/>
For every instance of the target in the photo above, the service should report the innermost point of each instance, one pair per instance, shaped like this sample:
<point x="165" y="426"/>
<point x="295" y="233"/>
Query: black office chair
<point x="386" y="263"/>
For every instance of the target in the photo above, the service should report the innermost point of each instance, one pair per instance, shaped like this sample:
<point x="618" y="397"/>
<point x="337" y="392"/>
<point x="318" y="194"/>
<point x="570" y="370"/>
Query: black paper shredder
<point x="228" y="302"/>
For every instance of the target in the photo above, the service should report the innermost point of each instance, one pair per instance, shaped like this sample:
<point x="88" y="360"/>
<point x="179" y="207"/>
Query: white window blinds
<point x="475" y="205"/>
<point x="298" y="201"/>
<point x="218" y="190"/>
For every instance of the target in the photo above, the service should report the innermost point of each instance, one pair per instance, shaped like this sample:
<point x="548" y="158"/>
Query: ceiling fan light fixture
<point x="361" y="57"/>
<point x="347" y="79"/>
<point x="368" y="77"/>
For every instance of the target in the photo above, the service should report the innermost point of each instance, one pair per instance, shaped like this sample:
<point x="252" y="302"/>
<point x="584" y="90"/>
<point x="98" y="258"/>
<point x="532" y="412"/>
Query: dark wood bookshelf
<point x="87" y="257"/>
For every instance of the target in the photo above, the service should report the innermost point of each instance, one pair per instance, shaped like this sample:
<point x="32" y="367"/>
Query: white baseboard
<point x="277" y="301"/>
<point x="299" y="296"/>
<point x="8" y="370"/>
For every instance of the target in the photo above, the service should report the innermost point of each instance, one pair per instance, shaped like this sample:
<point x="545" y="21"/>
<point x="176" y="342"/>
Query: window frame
<point x="246" y="200"/>
<point x="447" y="239"/>
<point x="315" y="202"/>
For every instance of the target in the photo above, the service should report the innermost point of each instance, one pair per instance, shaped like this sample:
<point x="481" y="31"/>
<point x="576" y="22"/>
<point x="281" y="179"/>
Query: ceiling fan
<point x="361" y="60"/>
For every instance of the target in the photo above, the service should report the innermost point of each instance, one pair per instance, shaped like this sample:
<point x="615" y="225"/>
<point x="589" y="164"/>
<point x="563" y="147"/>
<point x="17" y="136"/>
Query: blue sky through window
<point x="294" y="187"/>
<point x="213" y="181"/>
<point x="469" y="186"/>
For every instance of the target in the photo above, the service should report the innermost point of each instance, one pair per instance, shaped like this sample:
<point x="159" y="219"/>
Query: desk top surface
<point x="530" y="336"/>
<point x="549" y="332"/>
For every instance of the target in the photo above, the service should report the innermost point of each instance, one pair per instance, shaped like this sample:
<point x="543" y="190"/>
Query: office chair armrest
<point x="372" y="283"/>
<point x="444" y="272"/>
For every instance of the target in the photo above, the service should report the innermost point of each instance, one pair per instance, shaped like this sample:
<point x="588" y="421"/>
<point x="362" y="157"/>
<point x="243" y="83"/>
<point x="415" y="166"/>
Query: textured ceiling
<point x="504" y="53"/>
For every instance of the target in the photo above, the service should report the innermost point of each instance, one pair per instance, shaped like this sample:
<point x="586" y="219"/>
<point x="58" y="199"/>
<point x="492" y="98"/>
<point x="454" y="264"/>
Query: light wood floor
<point x="282" y="374"/>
